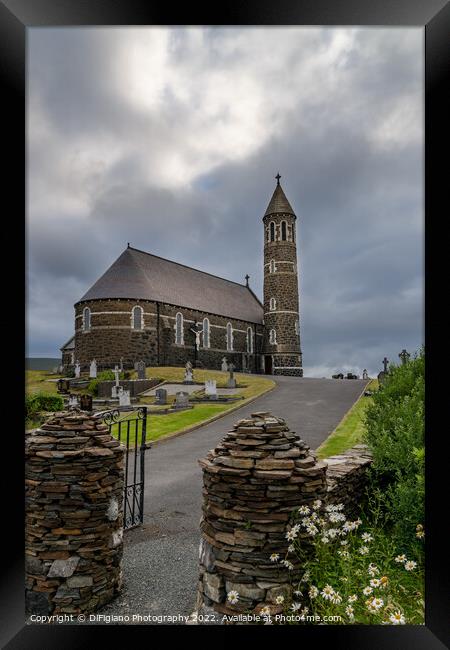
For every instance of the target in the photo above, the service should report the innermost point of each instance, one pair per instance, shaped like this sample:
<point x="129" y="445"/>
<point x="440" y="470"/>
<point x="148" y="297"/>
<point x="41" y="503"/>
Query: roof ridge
<point x="138" y="250"/>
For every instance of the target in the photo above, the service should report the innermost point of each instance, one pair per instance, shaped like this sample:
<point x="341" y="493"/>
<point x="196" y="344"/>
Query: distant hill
<point x="41" y="363"/>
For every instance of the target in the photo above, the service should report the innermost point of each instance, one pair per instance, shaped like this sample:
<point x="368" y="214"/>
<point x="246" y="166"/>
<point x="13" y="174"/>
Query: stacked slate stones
<point x="74" y="515"/>
<point x="347" y="477"/>
<point x="253" y="480"/>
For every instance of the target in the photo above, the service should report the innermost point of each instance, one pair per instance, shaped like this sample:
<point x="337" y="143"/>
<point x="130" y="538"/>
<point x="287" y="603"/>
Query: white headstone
<point x="124" y="397"/>
<point x="93" y="369"/>
<point x="77" y="370"/>
<point x="73" y="401"/>
<point x="224" y="365"/>
<point x="210" y="387"/>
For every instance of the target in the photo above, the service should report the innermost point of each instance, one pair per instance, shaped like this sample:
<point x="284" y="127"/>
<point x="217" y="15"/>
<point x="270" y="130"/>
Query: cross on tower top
<point x="278" y="178"/>
<point x="247" y="278"/>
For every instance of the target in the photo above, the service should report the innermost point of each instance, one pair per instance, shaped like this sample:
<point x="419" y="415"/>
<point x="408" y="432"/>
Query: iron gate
<point x="130" y="428"/>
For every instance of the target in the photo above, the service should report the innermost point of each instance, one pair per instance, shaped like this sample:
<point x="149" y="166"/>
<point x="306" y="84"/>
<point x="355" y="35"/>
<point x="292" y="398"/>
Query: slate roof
<point x="69" y="345"/>
<point x="139" y="275"/>
<point x="279" y="202"/>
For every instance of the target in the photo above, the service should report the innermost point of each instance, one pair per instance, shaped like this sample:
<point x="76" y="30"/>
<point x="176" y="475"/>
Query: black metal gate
<point x="129" y="426"/>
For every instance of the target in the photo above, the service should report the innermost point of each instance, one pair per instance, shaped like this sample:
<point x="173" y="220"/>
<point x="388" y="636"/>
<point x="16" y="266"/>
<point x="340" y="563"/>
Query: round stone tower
<point x="281" y="346"/>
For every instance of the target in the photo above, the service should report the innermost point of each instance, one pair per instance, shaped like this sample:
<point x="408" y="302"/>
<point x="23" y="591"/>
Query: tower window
<point x="272" y="304"/>
<point x="205" y="333"/>
<point x="283" y="230"/>
<point x="272" y="337"/>
<point x="296" y="327"/>
<point x="229" y="337"/>
<point x="272" y="231"/>
<point x="137" y="318"/>
<point x="249" y="340"/>
<point x="86" y="319"/>
<point x="272" y="266"/>
<point x="179" y="332"/>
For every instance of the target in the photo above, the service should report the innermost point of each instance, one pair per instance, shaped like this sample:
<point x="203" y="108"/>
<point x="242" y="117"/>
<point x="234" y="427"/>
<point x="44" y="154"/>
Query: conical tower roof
<point x="278" y="202"/>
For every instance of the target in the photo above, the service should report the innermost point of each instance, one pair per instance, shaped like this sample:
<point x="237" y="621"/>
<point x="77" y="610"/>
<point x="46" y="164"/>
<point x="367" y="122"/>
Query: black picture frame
<point x="16" y="16"/>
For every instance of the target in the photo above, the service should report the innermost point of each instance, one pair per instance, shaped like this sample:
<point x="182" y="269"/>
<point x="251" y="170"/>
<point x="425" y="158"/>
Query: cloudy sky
<point x="170" y="138"/>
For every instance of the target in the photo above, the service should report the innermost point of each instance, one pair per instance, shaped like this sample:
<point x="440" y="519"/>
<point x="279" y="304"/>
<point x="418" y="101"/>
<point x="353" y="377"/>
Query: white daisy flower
<point x="343" y="552"/>
<point x="372" y="570"/>
<point x="336" y="598"/>
<point x="353" y="598"/>
<point x="317" y="503"/>
<point x="367" y="537"/>
<point x="377" y="603"/>
<point x="304" y="611"/>
<point x="349" y="611"/>
<point x="287" y="564"/>
<point x="233" y="597"/>
<point x="332" y="532"/>
<point x="420" y="534"/>
<point x="400" y="558"/>
<point x="367" y="591"/>
<point x="339" y="506"/>
<point x="410" y="565"/>
<point x="397" y="618"/>
<point x="274" y="557"/>
<point x="327" y="592"/>
<point x="313" y="592"/>
<point x="265" y="611"/>
<point x="363" y="550"/>
<point x="291" y="535"/>
<point x="325" y="539"/>
<point x="312" y="530"/>
<point x="291" y="548"/>
<point x="344" y="542"/>
<point x="304" y="510"/>
<point x="306" y="576"/>
<point x="279" y="600"/>
<point x="375" y="582"/>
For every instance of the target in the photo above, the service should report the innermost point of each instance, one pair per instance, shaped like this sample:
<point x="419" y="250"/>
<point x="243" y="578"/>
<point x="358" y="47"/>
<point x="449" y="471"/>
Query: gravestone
<point x="73" y="401"/>
<point x="181" y="400"/>
<point x="188" y="374"/>
<point x="160" y="396"/>
<point x="116" y="387"/>
<point x="124" y="397"/>
<point x="86" y="402"/>
<point x="140" y="367"/>
<point x="77" y="370"/>
<point x="224" y="364"/>
<point x="404" y="357"/>
<point x="365" y="375"/>
<point x="231" y="383"/>
<point x="211" y="387"/>
<point x="93" y="369"/>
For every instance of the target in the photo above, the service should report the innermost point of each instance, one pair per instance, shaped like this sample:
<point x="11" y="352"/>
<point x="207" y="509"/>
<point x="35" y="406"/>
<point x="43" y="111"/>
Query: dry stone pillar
<point x="74" y="515"/>
<point x="253" y="480"/>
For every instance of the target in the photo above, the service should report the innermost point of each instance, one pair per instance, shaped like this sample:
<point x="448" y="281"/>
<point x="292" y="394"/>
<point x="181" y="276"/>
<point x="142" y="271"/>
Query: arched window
<point x="137" y="317"/>
<point x="273" y="337"/>
<point x="229" y="337"/>
<point x="272" y="304"/>
<point x="272" y="231"/>
<point x="283" y="230"/>
<point x="296" y="327"/>
<point x="205" y="333"/>
<point x="86" y="319"/>
<point x="249" y="340"/>
<point x="179" y="333"/>
<point x="272" y="266"/>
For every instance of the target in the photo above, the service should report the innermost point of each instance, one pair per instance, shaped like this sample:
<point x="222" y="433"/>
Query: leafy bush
<point x="105" y="375"/>
<point x="34" y="404"/>
<point x="395" y="434"/>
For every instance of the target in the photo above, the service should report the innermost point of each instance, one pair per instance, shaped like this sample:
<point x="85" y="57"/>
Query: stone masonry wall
<point x="111" y="336"/>
<point x="74" y="515"/>
<point x="347" y="477"/>
<point x="253" y="479"/>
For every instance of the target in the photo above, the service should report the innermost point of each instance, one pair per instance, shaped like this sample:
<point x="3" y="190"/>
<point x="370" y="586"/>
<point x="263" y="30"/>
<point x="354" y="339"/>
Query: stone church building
<point x="150" y="308"/>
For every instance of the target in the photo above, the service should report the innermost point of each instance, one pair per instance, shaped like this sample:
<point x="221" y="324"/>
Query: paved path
<point x="160" y="558"/>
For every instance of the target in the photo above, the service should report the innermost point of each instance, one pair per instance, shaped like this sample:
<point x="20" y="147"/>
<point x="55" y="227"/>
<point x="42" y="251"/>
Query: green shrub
<point x="38" y="402"/>
<point x="395" y="434"/>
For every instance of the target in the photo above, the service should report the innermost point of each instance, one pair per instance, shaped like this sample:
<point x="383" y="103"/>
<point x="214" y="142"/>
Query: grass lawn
<point x="36" y="382"/>
<point x="159" y="426"/>
<point x="350" y="430"/>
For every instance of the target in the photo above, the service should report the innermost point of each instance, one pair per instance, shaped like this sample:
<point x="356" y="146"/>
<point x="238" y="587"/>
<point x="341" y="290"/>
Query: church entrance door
<point x="268" y="364"/>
